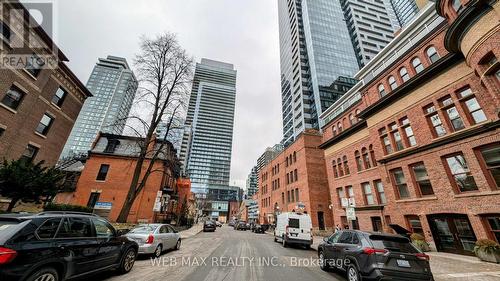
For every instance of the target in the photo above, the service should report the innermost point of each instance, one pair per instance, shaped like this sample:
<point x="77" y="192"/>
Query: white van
<point x="293" y="228"/>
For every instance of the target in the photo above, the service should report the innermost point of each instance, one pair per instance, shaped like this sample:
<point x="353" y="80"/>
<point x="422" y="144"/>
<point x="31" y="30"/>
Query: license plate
<point x="403" y="263"/>
<point x="294" y="234"/>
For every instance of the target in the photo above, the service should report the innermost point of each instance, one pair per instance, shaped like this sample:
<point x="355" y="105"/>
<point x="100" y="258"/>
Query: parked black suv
<point x="209" y="225"/>
<point x="374" y="256"/>
<point x="61" y="245"/>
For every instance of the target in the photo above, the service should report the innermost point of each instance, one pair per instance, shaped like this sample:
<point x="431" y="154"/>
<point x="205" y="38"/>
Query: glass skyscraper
<point x="207" y="142"/>
<point x="405" y="10"/>
<point x="113" y="85"/>
<point x="315" y="48"/>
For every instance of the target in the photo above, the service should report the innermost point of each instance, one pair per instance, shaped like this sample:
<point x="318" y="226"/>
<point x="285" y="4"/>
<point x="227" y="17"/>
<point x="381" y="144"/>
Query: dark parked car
<point x="209" y="226"/>
<point x="374" y="256"/>
<point x="241" y="225"/>
<point x="61" y="245"/>
<point x="260" y="228"/>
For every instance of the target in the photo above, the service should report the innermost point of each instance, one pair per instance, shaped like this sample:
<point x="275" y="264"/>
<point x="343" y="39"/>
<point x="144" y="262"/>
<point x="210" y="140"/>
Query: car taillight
<point x="371" y="251"/>
<point x="422" y="256"/>
<point x="7" y="255"/>
<point x="150" y="239"/>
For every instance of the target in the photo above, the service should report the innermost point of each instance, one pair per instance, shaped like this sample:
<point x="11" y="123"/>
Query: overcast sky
<point x="241" y="32"/>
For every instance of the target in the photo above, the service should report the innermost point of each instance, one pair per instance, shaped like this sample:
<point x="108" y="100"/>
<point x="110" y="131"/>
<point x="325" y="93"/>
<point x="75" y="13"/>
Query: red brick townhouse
<point x="39" y="101"/>
<point x="296" y="179"/>
<point x="417" y="141"/>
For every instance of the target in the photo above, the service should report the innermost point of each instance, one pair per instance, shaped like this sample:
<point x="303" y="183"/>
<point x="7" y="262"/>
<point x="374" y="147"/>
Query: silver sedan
<point x="155" y="238"/>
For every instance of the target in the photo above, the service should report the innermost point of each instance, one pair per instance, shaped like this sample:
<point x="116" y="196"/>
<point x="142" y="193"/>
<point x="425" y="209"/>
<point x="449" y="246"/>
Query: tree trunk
<point x="123" y="216"/>
<point x="12" y="204"/>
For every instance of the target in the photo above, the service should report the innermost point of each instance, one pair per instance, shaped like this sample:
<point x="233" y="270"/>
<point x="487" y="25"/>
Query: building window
<point x="339" y="164"/>
<point x="366" y="158"/>
<point x="381" y="90"/>
<point x="399" y="181"/>
<point x="334" y="130"/>
<point x="379" y="187"/>
<point x="93" y="198"/>
<point x="433" y="119"/>
<point x="350" y="191"/>
<point x="30" y="153"/>
<point x="432" y="54"/>
<point x="45" y="124"/>
<point x="297" y="194"/>
<point x="408" y="131"/>
<point x="359" y="162"/>
<point x="456" y="5"/>
<point x="471" y="106"/>
<point x="294" y="157"/>
<point x="491" y="157"/>
<point x="346" y="165"/>
<point x="386" y="142"/>
<point x="417" y="65"/>
<point x="352" y="119"/>
<point x="335" y="172"/>
<point x="103" y="172"/>
<point x="282" y="198"/>
<point x="286" y="163"/>
<point x="452" y="114"/>
<point x="5" y="32"/>
<point x="292" y="195"/>
<point x="13" y="98"/>
<point x="340" y="194"/>
<point x="2" y="131"/>
<point x="59" y="97"/>
<point x="494" y="226"/>
<point x="396" y="137"/>
<point x="404" y="74"/>
<point x="393" y="83"/>
<point x="414" y="224"/>
<point x="339" y="125"/>
<point x="376" y="224"/>
<point x="34" y="65"/>
<point x="367" y="189"/>
<point x="461" y="176"/>
<point x="372" y="155"/>
<point x="422" y="180"/>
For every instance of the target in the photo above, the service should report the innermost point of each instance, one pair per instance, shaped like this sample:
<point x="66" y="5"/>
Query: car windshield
<point x="143" y="229"/>
<point x="393" y="244"/>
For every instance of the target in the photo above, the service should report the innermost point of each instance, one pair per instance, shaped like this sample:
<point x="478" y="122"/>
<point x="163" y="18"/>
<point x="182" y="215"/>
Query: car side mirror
<point x="326" y="240"/>
<point x="120" y="232"/>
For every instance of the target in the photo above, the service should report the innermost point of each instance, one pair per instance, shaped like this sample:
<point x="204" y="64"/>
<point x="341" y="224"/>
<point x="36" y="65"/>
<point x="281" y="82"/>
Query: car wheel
<point x="178" y="245"/>
<point x="284" y="242"/>
<point x="128" y="261"/>
<point x="158" y="251"/>
<point x="352" y="273"/>
<point x="44" y="274"/>
<point x="322" y="262"/>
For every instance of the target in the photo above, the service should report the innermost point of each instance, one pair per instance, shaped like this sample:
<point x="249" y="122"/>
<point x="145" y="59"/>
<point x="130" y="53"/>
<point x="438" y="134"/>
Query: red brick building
<point x="295" y="179"/>
<point x="39" y="103"/>
<point x="108" y="172"/>
<point x="417" y="141"/>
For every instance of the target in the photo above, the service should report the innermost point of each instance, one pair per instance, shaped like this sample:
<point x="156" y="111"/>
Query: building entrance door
<point x="453" y="233"/>
<point x="321" y="221"/>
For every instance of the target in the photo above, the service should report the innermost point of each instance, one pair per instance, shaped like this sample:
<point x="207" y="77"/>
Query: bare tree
<point x="164" y="73"/>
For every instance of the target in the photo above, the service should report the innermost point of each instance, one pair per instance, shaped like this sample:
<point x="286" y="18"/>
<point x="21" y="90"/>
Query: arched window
<point x="286" y="163"/>
<point x="432" y="54"/>
<point x="334" y="129"/>
<point x="404" y="74"/>
<point x="335" y="173"/>
<point x="341" y="170"/>
<point x="359" y="162"/>
<point x="366" y="158"/>
<point x="381" y="90"/>
<point x="352" y="120"/>
<point x="346" y="165"/>
<point x="372" y="155"/>
<point x="392" y="82"/>
<point x="339" y="125"/>
<point x="357" y="114"/>
<point x="294" y="156"/>
<point x="417" y="65"/>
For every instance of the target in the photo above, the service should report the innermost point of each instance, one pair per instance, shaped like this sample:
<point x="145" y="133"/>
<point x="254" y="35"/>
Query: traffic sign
<point x="350" y="213"/>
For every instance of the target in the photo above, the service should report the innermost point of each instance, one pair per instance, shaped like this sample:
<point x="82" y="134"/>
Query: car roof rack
<point x="66" y="213"/>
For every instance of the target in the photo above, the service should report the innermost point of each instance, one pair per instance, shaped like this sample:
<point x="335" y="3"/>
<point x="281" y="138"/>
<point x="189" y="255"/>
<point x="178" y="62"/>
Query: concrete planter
<point x="488" y="256"/>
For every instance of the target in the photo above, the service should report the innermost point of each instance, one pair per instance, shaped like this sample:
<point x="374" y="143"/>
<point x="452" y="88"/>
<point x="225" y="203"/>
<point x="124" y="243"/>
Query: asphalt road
<point x="229" y="255"/>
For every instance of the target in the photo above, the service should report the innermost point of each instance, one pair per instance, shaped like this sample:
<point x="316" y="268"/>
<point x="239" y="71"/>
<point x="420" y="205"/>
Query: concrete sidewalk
<point x="195" y="229"/>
